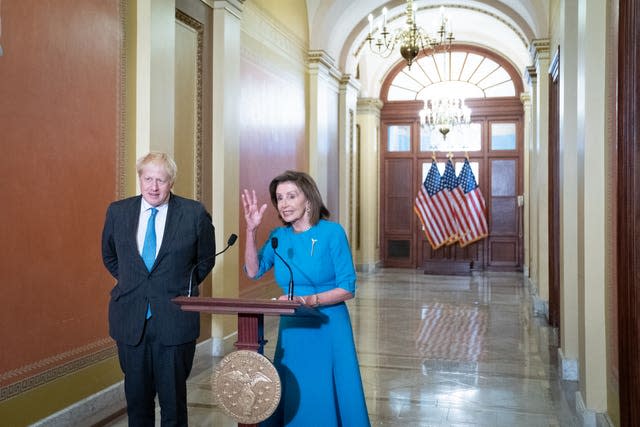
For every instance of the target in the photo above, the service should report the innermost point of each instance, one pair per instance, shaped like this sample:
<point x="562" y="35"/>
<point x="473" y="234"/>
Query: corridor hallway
<point x="439" y="351"/>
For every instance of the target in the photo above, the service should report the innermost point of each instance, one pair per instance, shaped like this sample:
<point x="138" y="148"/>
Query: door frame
<point x="486" y="111"/>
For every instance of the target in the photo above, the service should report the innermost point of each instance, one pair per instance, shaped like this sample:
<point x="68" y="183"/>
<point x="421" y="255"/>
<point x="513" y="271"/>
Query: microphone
<point x="232" y="239"/>
<point x="274" y="245"/>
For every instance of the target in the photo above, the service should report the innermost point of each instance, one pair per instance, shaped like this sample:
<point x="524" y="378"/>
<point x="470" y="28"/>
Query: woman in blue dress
<point x="315" y="357"/>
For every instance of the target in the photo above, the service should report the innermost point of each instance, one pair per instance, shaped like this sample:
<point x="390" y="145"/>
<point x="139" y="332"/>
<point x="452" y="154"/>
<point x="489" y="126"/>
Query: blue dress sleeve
<point x="342" y="260"/>
<point x="265" y="257"/>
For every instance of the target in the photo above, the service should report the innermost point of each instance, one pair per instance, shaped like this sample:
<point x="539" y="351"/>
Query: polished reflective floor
<point x="439" y="351"/>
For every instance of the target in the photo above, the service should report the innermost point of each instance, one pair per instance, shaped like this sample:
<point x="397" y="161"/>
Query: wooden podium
<point x="250" y="314"/>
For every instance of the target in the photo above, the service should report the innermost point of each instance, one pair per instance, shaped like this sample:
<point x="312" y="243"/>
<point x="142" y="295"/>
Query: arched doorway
<point x="493" y="144"/>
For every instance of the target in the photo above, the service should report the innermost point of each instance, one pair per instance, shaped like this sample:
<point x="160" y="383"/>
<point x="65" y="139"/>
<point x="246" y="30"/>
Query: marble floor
<point x="439" y="351"/>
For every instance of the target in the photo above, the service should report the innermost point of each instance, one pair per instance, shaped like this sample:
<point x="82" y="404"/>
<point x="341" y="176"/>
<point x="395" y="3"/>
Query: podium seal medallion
<point x="246" y="386"/>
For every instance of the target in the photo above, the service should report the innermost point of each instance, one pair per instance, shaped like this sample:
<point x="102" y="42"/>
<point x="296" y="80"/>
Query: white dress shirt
<point x="161" y="220"/>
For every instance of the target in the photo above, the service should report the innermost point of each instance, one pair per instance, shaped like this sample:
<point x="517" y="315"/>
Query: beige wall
<point x="273" y="104"/>
<point x="290" y="16"/>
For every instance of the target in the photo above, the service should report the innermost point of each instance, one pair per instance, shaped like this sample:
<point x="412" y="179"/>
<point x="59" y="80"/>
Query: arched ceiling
<point x="340" y="27"/>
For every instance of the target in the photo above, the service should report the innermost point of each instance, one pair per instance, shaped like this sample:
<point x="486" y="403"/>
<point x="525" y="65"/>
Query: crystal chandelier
<point x="412" y="39"/>
<point x="444" y="114"/>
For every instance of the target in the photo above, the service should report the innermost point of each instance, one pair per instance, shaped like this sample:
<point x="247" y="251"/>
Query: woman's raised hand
<point x="252" y="214"/>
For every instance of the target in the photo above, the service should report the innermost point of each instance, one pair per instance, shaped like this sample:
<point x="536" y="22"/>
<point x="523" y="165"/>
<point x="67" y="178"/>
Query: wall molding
<point x="260" y="27"/>
<point x="106" y="403"/>
<point x="198" y="28"/>
<point x="54" y="367"/>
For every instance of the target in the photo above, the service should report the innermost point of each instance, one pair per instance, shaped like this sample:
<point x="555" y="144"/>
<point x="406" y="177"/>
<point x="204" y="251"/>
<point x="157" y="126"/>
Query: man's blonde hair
<point x="160" y="158"/>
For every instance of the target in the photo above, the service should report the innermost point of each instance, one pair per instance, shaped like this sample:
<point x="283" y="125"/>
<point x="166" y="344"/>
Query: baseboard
<point x="367" y="267"/>
<point x="217" y="346"/>
<point x="95" y="409"/>
<point x="586" y="417"/>
<point x="539" y="306"/>
<point x="89" y="411"/>
<point x="603" y="420"/>
<point x="589" y="418"/>
<point x="568" y="367"/>
<point x="226" y="345"/>
<point x="448" y="267"/>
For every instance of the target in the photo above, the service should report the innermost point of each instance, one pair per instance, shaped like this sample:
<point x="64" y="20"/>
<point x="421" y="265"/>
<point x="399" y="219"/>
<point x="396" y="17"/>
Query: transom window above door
<point x="458" y="74"/>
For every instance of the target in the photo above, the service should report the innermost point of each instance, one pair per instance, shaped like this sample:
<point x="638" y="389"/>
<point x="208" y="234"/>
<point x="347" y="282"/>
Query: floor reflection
<point x="439" y="351"/>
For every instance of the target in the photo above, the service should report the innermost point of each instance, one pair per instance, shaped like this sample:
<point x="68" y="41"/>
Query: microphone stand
<point x="232" y="239"/>
<point x="274" y="245"/>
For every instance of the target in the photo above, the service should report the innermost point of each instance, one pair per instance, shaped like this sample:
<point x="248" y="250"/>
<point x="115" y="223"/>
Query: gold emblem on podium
<point x="246" y="386"/>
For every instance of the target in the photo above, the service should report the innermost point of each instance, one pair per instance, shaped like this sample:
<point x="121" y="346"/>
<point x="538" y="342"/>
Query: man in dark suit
<point x="150" y="244"/>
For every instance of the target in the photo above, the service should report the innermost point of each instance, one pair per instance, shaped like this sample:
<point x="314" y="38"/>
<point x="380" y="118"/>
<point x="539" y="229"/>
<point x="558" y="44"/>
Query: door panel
<point x="450" y="258"/>
<point x="504" y="220"/>
<point x="398" y="212"/>
<point x="398" y="196"/>
<point x="503" y="251"/>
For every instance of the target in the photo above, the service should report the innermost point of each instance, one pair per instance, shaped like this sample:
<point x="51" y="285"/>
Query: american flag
<point x="430" y="210"/>
<point x="471" y="209"/>
<point x="449" y="183"/>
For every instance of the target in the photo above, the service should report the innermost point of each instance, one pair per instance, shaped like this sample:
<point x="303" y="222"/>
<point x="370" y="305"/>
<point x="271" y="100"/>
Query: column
<point x="349" y="155"/>
<point x="531" y="194"/>
<point x="153" y="52"/>
<point x="569" y="202"/>
<point x="540" y="53"/>
<point x="368" y="119"/>
<point x="593" y="161"/>
<point x="323" y="128"/>
<point x="525" y="98"/>
<point x="225" y="182"/>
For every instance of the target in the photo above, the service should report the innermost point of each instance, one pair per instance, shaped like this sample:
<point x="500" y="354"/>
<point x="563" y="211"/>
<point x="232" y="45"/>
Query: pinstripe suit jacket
<point x="188" y="239"/>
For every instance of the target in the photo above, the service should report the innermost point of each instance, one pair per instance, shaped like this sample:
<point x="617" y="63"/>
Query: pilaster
<point x="227" y="16"/>
<point x="569" y="176"/>
<point x="525" y="98"/>
<point x="368" y="119"/>
<point x="323" y="126"/>
<point x="592" y="179"/>
<point x="540" y="55"/>
<point x="349" y="154"/>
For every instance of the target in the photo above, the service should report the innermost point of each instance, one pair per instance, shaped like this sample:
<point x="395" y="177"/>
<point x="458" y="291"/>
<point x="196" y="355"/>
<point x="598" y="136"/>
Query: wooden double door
<point x="493" y="144"/>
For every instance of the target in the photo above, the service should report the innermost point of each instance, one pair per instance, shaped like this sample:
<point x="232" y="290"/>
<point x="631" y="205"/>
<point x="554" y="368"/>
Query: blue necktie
<point x="149" y="247"/>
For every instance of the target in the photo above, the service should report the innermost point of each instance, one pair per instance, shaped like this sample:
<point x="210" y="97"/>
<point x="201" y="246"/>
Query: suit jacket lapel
<point x="132" y="228"/>
<point x="174" y="216"/>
